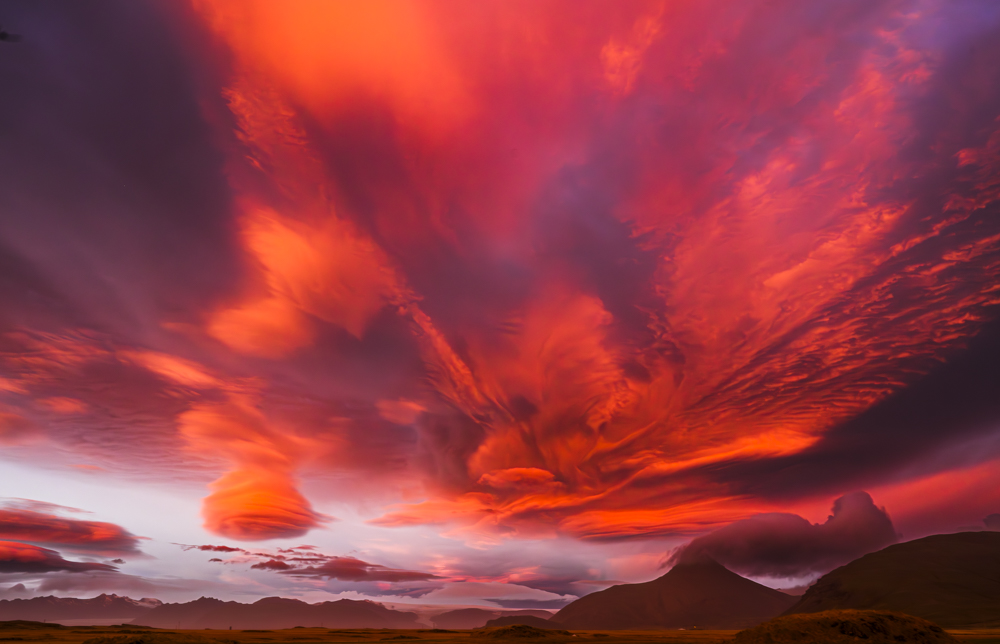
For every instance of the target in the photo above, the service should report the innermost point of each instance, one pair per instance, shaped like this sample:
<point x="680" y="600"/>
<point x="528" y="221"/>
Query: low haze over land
<point x="492" y="303"/>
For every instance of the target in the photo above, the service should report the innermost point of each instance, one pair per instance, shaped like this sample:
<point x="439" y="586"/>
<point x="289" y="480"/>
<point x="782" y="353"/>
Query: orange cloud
<point x="313" y="265"/>
<point x="64" y="405"/>
<point x="258" y="498"/>
<point x="328" y="54"/>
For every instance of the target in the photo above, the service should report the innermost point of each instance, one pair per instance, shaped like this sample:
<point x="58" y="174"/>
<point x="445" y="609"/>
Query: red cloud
<point x="72" y="534"/>
<point x="22" y="557"/>
<point x="15" y="429"/>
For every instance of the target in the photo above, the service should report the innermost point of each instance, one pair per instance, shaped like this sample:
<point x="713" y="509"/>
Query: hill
<point x="275" y="613"/>
<point x="700" y="593"/>
<point x="846" y="627"/>
<point x="55" y="609"/>
<point x="465" y="618"/>
<point x="523" y="620"/>
<point x="950" y="579"/>
<point x="156" y="638"/>
<point x="521" y="631"/>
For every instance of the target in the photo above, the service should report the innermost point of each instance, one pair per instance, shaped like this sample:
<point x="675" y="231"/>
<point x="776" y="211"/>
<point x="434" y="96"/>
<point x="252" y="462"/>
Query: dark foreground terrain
<point x="950" y="579"/>
<point x="26" y="632"/>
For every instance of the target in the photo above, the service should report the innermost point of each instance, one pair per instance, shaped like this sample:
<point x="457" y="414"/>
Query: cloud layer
<point x="92" y="537"/>
<point x="25" y="558"/>
<point x="481" y="271"/>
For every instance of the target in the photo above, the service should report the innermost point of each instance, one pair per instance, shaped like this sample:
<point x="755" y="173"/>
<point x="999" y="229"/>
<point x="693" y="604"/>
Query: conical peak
<point x="696" y="558"/>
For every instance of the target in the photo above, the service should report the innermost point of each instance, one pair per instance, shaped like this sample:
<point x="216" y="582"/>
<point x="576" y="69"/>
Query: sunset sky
<point x="491" y="302"/>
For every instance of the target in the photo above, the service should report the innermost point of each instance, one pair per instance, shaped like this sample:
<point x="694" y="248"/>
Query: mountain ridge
<point x="949" y="579"/>
<point x="693" y="594"/>
<point x="49" y="608"/>
<point x="275" y="613"/>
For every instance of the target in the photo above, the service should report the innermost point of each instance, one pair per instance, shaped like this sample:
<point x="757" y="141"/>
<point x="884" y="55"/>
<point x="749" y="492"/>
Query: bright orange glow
<point x="769" y="313"/>
<point x="328" y="53"/>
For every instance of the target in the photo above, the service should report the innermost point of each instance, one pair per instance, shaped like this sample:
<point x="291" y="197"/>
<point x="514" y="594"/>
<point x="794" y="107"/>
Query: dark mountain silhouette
<point x="522" y="632"/>
<point x="55" y="609"/>
<point x="274" y="613"/>
<point x="464" y="618"/>
<point x="23" y="625"/>
<point x="696" y="593"/>
<point x="950" y="579"/>
<point x="478" y="617"/>
<point x="524" y="620"/>
<point x="846" y="627"/>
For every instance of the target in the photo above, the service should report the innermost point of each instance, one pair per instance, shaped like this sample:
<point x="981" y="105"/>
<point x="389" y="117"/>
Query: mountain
<point x="478" y="617"/>
<point x="950" y="579"/>
<point x="700" y="593"/>
<point x="275" y="612"/>
<point x="56" y="609"/>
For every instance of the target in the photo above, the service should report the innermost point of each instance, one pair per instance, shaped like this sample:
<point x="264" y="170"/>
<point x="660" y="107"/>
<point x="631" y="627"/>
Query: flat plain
<point x="128" y="634"/>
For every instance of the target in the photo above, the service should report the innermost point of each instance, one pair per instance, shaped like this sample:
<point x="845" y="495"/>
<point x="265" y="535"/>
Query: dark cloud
<point x="786" y="545"/>
<point x="412" y="590"/>
<point x="213" y="548"/>
<point x="531" y="603"/>
<point x="992" y="522"/>
<point x="271" y="564"/>
<point x="306" y="561"/>
<point x="559" y="585"/>
<point x="140" y="174"/>
<point x="351" y="569"/>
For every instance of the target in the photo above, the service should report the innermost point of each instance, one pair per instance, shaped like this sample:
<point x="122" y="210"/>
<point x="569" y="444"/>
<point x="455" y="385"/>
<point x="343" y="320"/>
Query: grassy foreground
<point x="54" y="634"/>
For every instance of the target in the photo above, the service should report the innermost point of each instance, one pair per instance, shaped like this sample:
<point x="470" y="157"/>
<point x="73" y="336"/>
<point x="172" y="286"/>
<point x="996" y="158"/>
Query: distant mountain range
<point x="700" y="593"/>
<point x="950" y="579"/>
<point x="276" y="612"/>
<point x="54" y="609"/>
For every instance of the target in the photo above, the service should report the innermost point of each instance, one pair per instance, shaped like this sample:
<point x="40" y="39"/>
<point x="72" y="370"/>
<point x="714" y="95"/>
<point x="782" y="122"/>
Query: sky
<point x="491" y="303"/>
